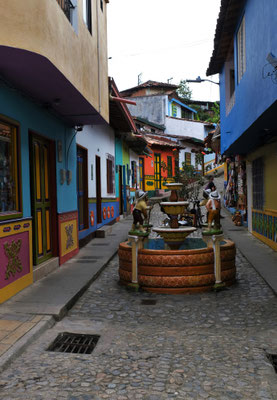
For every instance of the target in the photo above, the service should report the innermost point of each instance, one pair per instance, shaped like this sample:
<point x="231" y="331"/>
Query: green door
<point x="41" y="199"/>
<point x="157" y="170"/>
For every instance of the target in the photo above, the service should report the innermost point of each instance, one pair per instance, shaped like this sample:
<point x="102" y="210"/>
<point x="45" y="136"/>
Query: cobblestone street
<point x="205" y="346"/>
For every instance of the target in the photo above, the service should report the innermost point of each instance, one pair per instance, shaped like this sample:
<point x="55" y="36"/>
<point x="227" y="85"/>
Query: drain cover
<point x="99" y="244"/>
<point x="148" y="302"/>
<point x="74" y="343"/>
<point x="273" y="359"/>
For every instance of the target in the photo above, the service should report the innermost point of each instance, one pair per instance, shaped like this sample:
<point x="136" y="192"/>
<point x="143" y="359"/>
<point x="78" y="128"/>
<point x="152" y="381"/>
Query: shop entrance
<point x="43" y="198"/>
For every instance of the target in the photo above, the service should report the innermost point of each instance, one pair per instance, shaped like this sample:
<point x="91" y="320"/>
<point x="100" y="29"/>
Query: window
<point x="241" y="50"/>
<point x="174" y="110"/>
<point x="258" y="183"/>
<point x="187" y="158"/>
<point x="9" y="174"/>
<point x="67" y="7"/>
<point x="110" y="174"/>
<point x="101" y="4"/>
<point x="134" y="174"/>
<point x="87" y="14"/>
<point x="169" y="166"/>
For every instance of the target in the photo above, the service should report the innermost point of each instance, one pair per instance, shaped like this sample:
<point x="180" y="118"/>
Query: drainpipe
<point x="98" y="55"/>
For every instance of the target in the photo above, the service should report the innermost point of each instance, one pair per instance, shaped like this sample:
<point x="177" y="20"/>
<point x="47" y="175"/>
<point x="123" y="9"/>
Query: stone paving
<point x="204" y="346"/>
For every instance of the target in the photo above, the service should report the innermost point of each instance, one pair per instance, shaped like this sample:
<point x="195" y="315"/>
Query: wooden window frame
<point x="241" y="50"/>
<point x="7" y="215"/>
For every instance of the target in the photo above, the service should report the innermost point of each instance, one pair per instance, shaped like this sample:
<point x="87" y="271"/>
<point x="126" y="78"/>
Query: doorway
<point x="43" y="198"/>
<point x="82" y="187"/>
<point x="120" y="190"/>
<point x="141" y="173"/>
<point x="98" y="189"/>
<point x="157" y="170"/>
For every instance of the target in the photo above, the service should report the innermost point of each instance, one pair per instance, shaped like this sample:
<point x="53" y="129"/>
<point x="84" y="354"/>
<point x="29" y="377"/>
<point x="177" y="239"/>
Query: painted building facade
<point x="50" y="85"/>
<point x="246" y="59"/>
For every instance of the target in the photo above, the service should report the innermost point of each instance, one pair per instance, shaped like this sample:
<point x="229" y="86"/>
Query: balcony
<point x="67" y="8"/>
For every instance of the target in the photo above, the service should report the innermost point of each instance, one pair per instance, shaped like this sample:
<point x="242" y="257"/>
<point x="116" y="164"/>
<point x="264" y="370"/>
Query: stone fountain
<point x="175" y="264"/>
<point x="174" y="235"/>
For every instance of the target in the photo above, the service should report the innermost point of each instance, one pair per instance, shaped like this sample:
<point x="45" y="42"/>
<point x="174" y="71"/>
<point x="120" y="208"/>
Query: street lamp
<point x="199" y="80"/>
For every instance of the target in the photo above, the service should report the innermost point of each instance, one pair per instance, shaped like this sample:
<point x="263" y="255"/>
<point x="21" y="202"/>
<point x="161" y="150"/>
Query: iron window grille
<point x="66" y="6"/>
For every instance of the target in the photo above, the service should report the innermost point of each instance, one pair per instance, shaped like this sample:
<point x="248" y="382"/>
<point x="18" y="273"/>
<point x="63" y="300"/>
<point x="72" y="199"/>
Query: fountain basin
<point x="174" y="207"/>
<point x="174" y="237"/>
<point x="177" y="271"/>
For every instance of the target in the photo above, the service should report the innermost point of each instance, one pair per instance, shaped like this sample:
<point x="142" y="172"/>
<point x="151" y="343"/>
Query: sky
<point x="162" y="39"/>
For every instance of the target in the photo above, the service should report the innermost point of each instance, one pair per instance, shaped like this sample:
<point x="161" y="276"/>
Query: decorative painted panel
<point x="16" y="269"/>
<point x="68" y="235"/>
<point x="264" y="226"/>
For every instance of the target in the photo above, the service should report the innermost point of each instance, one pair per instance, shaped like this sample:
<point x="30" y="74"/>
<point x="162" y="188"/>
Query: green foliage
<point x="215" y="118"/>
<point x="184" y="91"/>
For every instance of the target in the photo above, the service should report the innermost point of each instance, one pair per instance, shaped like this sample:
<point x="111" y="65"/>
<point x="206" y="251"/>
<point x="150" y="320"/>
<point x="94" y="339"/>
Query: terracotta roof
<point x="154" y="140"/>
<point x="148" y="84"/>
<point x="226" y="24"/>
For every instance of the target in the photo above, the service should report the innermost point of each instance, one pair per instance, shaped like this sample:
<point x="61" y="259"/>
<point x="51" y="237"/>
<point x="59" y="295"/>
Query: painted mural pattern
<point x="14" y="263"/>
<point x="69" y="236"/>
<point x="265" y="224"/>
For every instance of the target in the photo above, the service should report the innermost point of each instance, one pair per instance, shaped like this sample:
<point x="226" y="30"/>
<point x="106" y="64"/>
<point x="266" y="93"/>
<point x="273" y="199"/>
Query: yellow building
<point x="53" y="80"/>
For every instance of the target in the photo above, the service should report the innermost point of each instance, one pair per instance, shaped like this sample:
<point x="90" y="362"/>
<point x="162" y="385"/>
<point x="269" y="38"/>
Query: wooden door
<point x="157" y="170"/>
<point x="98" y="189"/>
<point x="42" y="198"/>
<point x="141" y="173"/>
<point x="120" y="190"/>
<point x="82" y="187"/>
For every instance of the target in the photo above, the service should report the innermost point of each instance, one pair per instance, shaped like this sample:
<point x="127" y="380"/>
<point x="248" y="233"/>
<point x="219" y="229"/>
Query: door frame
<point x="53" y="196"/>
<point x="141" y="173"/>
<point x="84" y="150"/>
<point x="157" y="170"/>
<point x="98" y="189"/>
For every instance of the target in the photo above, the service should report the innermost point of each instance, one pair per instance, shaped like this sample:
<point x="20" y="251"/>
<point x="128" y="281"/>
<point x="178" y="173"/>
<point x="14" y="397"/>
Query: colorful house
<point x="246" y="59"/>
<point x="51" y="85"/>
<point x="158" y="104"/>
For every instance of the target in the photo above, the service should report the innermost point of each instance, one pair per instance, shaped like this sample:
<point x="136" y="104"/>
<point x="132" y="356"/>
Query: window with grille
<point x="110" y="174"/>
<point x="241" y="50"/>
<point x="258" y="183"/>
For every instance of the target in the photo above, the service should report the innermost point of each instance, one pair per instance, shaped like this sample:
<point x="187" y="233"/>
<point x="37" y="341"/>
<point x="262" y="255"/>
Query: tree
<point x="216" y="114"/>
<point x="184" y="91"/>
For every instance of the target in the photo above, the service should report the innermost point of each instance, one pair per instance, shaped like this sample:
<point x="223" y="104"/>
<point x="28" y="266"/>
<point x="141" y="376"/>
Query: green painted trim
<point x="104" y="200"/>
<point x="11" y="216"/>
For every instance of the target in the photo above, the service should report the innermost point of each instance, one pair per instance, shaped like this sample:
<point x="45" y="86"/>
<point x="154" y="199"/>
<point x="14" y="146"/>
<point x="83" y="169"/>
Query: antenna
<point x="169" y="79"/>
<point x="139" y="78"/>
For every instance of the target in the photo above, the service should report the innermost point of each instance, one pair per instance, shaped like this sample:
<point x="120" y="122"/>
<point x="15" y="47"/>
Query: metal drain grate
<point x="273" y="359"/>
<point x="74" y="343"/>
<point x="90" y="257"/>
<point x="99" y="244"/>
<point x="148" y="302"/>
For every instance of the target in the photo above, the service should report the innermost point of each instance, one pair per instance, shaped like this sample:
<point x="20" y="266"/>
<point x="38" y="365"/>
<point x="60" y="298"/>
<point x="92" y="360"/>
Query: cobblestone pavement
<point x="204" y="346"/>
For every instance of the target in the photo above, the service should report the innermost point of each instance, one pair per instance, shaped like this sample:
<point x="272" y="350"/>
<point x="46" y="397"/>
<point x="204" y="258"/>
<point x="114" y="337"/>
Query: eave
<point x="34" y="76"/>
<point x="229" y="13"/>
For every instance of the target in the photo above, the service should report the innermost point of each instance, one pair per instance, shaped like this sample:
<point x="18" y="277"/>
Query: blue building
<point x="245" y="51"/>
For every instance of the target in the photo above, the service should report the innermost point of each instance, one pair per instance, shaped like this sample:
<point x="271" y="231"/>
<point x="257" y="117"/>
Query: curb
<point x="18" y="348"/>
<point x="64" y="310"/>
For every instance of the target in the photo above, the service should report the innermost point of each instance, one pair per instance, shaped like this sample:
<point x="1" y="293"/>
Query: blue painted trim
<point x="181" y="104"/>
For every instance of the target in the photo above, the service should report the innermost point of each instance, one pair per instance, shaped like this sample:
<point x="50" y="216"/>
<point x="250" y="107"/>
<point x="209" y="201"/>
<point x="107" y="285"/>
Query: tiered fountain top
<point x="175" y="235"/>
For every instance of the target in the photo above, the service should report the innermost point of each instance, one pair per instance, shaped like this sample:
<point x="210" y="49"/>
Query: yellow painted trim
<point x="39" y="232"/>
<point x="209" y="162"/>
<point x="267" y="211"/>
<point x="267" y="241"/>
<point x="48" y="240"/>
<point x="37" y="172"/>
<point x="21" y="283"/>
<point x="214" y="169"/>
<point x="46" y="178"/>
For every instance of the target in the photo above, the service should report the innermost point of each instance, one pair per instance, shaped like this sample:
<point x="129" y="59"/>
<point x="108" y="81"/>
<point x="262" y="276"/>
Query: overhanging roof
<point x="225" y="29"/>
<point x="35" y="76"/>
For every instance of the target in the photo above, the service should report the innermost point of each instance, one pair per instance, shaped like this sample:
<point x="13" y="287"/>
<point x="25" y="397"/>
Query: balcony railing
<point x="66" y="6"/>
